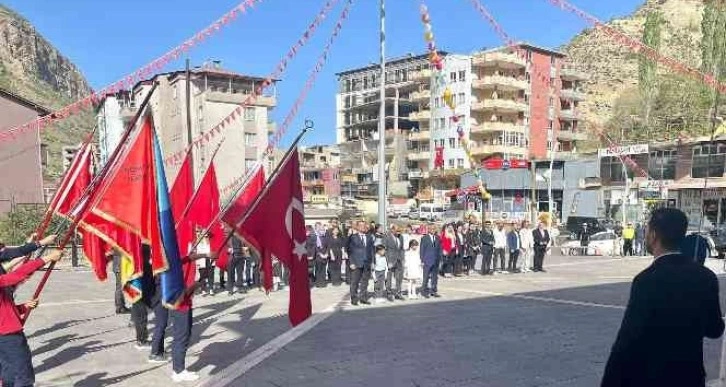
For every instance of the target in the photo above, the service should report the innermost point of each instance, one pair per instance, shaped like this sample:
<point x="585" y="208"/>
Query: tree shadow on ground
<point x="66" y="324"/>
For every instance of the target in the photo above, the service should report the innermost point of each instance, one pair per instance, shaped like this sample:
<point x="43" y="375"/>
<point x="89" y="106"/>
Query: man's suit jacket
<point x="360" y="254"/>
<point x="673" y="305"/>
<point x="514" y="242"/>
<point x="394" y="249"/>
<point x="541" y="238"/>
<point x="430" y="250"/>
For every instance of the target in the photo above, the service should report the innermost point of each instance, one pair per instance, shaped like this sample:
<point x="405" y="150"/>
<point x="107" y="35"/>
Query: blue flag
<point x="172" y="279"/>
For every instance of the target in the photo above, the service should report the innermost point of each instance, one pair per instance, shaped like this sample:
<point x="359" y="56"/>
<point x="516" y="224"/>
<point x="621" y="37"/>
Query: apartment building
<point x="407" y="103"/>
<point x="320" y="169"/>
<point x="214" y="93"/>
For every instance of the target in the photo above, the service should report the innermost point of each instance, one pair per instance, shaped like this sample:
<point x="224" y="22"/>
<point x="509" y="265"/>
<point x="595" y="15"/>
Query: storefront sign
<point x="714" y="193"/>
<point x="623" y="150"/>
<point x="655" y="184"/>
<point x="505" y="164"/>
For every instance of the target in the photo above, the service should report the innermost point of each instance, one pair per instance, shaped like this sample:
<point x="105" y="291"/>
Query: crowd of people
<point x="358" y="252"/>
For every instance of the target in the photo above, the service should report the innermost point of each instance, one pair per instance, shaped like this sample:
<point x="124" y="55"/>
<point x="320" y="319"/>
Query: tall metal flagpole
<point x="382" y="201"/>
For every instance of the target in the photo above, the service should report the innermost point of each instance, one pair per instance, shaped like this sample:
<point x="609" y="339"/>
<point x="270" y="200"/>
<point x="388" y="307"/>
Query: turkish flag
<point x="275" y="225"/>
<point x="75" y="181"/>
<point x="183" y="188"/>
<point x="202" y="211"/>
<point x="236" y="211"/>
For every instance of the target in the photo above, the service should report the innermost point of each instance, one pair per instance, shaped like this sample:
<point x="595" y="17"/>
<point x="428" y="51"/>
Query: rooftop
<point x="527" y="46"/>
<point x="391" y="61"/>
<point x="42" y="110"/>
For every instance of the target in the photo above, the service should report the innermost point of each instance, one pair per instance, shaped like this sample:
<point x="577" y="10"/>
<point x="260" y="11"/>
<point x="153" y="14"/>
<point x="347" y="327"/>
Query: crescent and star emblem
<point x="295" y="205"/>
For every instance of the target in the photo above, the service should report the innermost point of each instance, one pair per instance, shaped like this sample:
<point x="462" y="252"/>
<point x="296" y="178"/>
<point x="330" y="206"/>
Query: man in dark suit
<point x="541" y="242"/>
<point x="360" y="256"/>
<point x="431" y="254"/>
<point x="393" y="242"/>
<point x="673" y="305"/>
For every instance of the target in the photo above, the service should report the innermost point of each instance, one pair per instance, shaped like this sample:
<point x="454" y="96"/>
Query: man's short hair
<point x="670" y="225"/>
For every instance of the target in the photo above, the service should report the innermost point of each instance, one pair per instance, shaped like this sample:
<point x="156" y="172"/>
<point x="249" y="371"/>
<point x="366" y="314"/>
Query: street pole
<point x="382" y="201"/>
<point x="551" y="200"/>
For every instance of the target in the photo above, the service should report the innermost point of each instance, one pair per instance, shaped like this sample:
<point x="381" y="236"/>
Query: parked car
<point x="574" y="224"/>
<point x="413" y="213"/>
<point x="601" y="243"/>
<point x="431" y="213"/>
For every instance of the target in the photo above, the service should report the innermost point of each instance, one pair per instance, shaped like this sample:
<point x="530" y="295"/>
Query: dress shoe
<point x="390" y="298"/>
<point x="365" y="302"/>
<point x="123" y="310"/>
<point x="399" y="297"/>
<point x="436" y="295"/>
<point x="354" y="303"/>
<point x="426" y="295"/>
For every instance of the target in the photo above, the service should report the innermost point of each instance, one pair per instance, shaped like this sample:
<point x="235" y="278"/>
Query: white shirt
<point x="500" y="239"/>
<point x="527" y="238"/>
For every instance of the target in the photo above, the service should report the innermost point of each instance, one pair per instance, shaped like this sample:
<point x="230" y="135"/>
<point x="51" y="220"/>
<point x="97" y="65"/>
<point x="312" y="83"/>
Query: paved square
<point x="534" y="329"/>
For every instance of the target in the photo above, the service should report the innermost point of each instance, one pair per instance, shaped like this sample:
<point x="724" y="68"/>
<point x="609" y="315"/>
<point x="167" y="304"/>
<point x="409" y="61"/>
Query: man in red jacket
<point x="15" y="357"/>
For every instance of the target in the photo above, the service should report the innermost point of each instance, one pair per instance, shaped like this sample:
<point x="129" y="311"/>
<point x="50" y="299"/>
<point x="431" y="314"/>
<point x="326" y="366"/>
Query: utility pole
<point x="382" y="200"/>
<point x="551" y="200"/>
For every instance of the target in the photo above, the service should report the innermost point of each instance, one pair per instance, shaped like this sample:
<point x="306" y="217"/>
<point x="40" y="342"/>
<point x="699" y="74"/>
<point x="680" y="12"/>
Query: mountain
<point x="31" y="67"/>
<point x="613" y="69"/>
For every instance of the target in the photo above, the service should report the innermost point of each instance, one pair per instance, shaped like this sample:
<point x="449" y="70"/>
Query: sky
<point x="110" y="39"/>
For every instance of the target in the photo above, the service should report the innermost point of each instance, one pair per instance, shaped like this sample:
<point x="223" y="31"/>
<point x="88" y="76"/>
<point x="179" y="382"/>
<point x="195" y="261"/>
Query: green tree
<point x="713" y="45"/>
<point x="647" y="68"/>
<point x="18" y="224"/>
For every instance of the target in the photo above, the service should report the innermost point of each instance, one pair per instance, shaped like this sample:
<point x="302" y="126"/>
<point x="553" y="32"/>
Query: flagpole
<point x="97" y="180"/>
<point x="382" y="201"/>
<point x="308" y="126"/>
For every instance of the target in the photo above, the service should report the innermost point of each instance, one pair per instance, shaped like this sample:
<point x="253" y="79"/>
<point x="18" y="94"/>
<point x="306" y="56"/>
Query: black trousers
<point x="16" y="361"/>
<point x="430" y="279"/>
<point x="447" y="263"/>
<point x="628" y="247"/>
<point x="118" y="295"/>
<point x="394" y="273"/>
<point x="140" y="317"/>
<point x="252" y="273"/>
<point x="334" y="266"/>
<point x="458" y="263"/>
<point x="181" y="330"/>
<point x="539" y="253"/>
<point x="235" y="271"/>
<point x="498" y="253"/>
<point x="222" y="282"/>
<point x="486" y="262"/>
<point x="513" y="257"/>
<point x="321" y="271"/>
<point x="359" y="278"/>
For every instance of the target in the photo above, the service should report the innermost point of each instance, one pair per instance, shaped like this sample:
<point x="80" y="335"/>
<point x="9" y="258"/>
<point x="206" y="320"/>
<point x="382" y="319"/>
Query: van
<point x="431" y="213"/>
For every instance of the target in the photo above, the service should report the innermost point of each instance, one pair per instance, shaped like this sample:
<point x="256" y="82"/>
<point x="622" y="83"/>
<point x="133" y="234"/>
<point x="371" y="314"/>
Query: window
<point x="452" y="143"/>
<point x="662" y="164"/>
<point x="452" y="76"/>
<point x="251" y="139"/>
<point x="347" y="86"/>
<point x="442" y="123"/>
<point x="249" y="114"/>
<point x="462" y="98"/>
<point x="176" y="92"/>
<point x="708" y="160"/>
<point x="365" y="82"/>
<point x="249" y="163"/>
<point x="462" y="76"/>
<point x="451" y="163"/>
<point x="460" y="163"/>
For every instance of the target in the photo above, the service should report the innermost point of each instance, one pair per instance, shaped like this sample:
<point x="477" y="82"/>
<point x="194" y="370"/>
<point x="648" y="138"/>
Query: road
<point x="534" y="329"/>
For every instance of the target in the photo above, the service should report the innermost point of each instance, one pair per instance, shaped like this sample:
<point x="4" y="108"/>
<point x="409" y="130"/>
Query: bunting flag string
<point x="130" y="80"/>
<point x="638" y="47"/>
<point x="207" y="136"/>
<point x="612" y="146"/>
<point x="312" y="77"/>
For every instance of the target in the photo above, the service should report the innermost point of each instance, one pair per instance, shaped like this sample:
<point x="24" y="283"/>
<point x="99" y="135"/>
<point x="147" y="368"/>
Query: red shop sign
<point x="499" y="163"/>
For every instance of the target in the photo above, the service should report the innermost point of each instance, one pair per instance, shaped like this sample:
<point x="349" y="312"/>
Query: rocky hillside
<point x="31" y="67"/>
<point x="613" y="69"/>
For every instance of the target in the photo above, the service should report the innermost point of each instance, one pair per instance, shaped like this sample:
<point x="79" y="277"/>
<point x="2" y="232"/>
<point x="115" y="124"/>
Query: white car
<point x="601" y="243"/>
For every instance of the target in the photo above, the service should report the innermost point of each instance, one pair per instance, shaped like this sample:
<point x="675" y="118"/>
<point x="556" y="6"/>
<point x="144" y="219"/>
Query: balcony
<point x="419" y="136"/>
<point x="240" y="98"/>
<point x="423" y="115"/>
<point x="572" y="95"/>
<point x="500" y="105"/>
<point x="417" y="174"/>
<point x="570" y="73"/>
<point x="568" y="135"/>
<point x="421" y="96"/>
<point x="419" y="154"/>
<point x="486" y="149"/>
<point x="569" y="115"/>
<point x="500" y="82"/>
<point x="487" y="127"/>
<point x="499" y="59"/>
<point x="420" y="76"/>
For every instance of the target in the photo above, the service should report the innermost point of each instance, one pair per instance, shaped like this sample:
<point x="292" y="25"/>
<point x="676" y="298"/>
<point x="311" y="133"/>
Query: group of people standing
<point x="361" y="251"/>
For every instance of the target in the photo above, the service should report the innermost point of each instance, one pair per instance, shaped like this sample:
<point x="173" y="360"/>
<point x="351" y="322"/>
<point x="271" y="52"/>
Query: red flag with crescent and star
<point x="275" y="226"/>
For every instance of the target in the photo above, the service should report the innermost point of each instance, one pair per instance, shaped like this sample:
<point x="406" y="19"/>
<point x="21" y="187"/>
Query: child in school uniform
<point x="380" y="266"/>
<point x="413" y="272"/>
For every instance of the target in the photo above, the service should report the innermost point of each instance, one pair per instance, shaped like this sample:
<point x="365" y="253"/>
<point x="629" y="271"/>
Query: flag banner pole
<point x="308" y="126"/>
<point x="88" y="194"/>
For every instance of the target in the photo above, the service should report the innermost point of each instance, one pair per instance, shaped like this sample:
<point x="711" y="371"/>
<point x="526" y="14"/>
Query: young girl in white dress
<point x="413" y="269"/>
